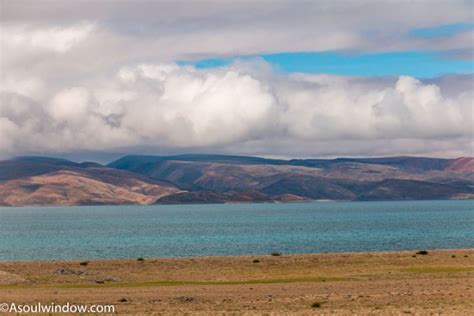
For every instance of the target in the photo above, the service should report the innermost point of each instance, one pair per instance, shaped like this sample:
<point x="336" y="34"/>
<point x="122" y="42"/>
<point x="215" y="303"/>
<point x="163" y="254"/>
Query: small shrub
<point x="276" y="254"/>
<point x="465" y="256"/>
<point x="140" y="259"/>
<point x="123" y="300"/>
<point x="84" y="263"/>
<point x="185" y="299"/>
<point x="316" y="305"/>
<point x="414" y="256"/>
<point x="256" y="261"/>
<point x="453" y="256"/>
<point x="422" y="252"/>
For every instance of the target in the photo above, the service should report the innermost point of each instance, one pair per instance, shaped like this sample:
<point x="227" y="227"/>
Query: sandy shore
<point x="346" y="283"/>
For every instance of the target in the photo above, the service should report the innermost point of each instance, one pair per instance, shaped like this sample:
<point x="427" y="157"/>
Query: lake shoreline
<point x="224" y="257"/>
<point x="308" y="200"/>
<point x="371" y="282"/>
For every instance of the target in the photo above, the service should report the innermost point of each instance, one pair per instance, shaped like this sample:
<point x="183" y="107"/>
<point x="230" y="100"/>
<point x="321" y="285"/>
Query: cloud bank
<point x="97" y="76"/>
<point x="237" y="109"/>
<point x="180" y="29"/>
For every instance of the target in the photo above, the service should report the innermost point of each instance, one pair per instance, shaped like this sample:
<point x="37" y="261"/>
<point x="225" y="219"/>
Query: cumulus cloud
<point x="180" y="107"/>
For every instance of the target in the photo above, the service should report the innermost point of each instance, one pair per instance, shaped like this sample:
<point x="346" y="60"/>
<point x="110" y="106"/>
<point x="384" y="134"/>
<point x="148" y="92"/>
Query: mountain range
<point x="199" y="178"/>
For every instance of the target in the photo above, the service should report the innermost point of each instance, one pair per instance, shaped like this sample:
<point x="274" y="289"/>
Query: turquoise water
<point x="232" y="229"/>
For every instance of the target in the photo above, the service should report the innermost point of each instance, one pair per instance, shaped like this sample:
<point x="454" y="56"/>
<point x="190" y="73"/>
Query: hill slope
<point x="49" y="181"/>
<point x="223" y="179"/>
<point x="336" y="179"/>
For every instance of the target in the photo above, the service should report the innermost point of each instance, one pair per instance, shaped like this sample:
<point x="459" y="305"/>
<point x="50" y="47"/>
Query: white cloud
<point x="20" y="42"/>
<point x="229" y="109"/>
<point x="98" y="76"/>
<point x="31" y="56"/>
<point x="182" y="29"/>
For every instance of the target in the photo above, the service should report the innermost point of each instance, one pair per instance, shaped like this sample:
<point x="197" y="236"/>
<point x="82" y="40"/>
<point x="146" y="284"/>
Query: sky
<point x="94" y="80"/>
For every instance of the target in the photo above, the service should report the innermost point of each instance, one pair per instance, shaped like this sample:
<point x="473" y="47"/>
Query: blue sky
<point x="419" y="64"/>
<point x="416" y="63"/>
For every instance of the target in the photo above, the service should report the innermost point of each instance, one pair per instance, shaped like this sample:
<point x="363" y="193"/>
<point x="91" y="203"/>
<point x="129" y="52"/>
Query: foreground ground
<point x="440" y="282"/>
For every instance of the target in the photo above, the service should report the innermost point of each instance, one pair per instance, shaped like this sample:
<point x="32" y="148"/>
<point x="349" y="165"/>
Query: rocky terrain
<point x="228" y="179"/>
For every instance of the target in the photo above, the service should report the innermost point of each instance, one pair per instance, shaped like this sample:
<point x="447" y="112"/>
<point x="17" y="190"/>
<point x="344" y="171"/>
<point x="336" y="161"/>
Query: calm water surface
<point x="232" y="229"/>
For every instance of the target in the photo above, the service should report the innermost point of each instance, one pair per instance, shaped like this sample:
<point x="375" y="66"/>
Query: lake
<point x="232" y="229"/>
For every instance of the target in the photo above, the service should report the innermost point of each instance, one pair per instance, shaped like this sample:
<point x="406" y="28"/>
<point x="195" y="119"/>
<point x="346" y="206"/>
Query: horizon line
<point x="182" y="155"/>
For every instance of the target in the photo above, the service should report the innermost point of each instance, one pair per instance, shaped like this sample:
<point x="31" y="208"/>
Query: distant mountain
<point x="50" y="181"/>
<point x="226" y="179"/>
<point x="335" y="179"/>
<point x="410" y="163"/>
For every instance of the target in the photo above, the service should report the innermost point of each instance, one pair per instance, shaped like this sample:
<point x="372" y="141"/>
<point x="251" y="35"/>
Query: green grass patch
<point x="174" y="283"/>
<point x="184" y="282"/>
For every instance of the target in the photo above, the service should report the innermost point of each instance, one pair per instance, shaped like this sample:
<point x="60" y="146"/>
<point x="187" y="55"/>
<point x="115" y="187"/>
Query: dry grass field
<point x="440" y="282"/>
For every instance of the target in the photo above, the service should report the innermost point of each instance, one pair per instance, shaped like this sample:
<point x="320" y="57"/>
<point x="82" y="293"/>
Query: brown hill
<point x="74" y="188"/>
<point x="464" y="164"/>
